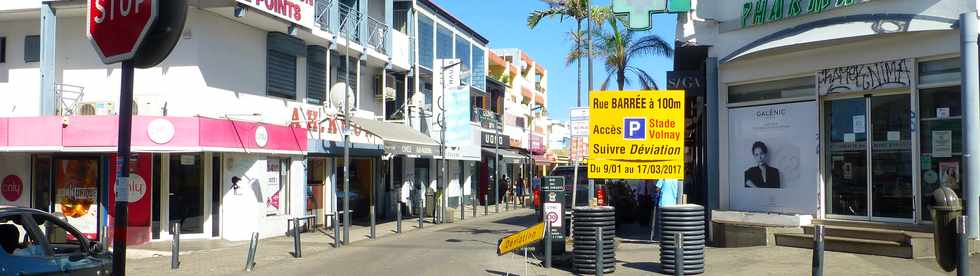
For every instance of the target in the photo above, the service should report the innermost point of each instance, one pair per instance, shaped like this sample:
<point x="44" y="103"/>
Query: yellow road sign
<point x="636" y="134"/>
<point x="520" y="239"/>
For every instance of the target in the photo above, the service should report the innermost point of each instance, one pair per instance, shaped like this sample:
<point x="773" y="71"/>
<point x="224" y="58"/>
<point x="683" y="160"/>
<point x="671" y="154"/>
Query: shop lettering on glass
<point x="759" y="12"/>
<point x="865" y="77"/>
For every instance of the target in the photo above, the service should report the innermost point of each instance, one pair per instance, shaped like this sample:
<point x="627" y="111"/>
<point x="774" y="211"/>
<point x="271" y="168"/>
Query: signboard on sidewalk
<point x="553" y="193"/>
<point x="636" y="134"/>
<point x="520" y="239"/>
<point x="579" y="129"/>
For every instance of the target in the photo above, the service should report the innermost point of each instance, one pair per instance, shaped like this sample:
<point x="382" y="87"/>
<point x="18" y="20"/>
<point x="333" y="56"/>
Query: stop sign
<point x="116" y="28"/>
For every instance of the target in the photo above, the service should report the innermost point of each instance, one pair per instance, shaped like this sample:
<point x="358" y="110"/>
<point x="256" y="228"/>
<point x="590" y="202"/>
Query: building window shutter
<point x="3" y="49"/>
<point x="281" y="55"/>
<point x="32" y="48"/>
<point x="316" y="74"/>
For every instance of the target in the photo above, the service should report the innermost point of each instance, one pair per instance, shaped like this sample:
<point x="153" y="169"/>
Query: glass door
<point x="187" y="193"/>
<point x="869" y="158"/>
<point x="847" y="158"/>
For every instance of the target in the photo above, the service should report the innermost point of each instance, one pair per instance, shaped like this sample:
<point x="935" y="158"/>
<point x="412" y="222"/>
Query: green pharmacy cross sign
<point x="638" y="12"/>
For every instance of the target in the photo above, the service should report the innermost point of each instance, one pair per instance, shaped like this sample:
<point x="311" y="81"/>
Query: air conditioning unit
<point x="384" y="92"/>
<point x="95" y="108"/>
<point x="150" y="106"/>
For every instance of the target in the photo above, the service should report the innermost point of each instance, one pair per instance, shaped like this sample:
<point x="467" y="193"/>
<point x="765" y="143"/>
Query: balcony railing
<point x="378" y="34"/>
<point x="348" y="22"/>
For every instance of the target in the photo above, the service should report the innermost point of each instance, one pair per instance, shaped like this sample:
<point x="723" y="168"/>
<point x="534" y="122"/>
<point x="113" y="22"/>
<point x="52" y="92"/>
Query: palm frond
<point x="651" y="45"/>
<point x="535" y="17"/>
<point x="605" y="83"/>
<point x="645" y="79"/>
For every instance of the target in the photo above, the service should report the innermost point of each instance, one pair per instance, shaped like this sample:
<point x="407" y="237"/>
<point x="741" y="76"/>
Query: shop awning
<point x="149" y="134"/>
<point x="510" y="156"/>
<point x="400" y="139"/>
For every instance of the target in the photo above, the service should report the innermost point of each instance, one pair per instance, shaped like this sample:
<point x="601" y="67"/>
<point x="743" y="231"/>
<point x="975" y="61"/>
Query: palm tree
<point x="621" y="48"/>
<point x="575" y="9"/>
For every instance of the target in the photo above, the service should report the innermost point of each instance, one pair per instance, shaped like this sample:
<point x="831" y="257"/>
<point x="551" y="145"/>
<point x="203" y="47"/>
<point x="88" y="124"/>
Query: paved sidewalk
<point x="218" y="257"/>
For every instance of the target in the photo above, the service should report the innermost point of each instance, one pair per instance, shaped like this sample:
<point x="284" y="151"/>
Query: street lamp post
<point x="442" y="141"/>
<point x="530" y="144"/>
<point x="496" y="166"/>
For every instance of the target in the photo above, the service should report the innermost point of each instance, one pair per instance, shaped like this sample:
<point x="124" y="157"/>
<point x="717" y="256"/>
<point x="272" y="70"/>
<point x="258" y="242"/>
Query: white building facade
<point x="846" y="110"/>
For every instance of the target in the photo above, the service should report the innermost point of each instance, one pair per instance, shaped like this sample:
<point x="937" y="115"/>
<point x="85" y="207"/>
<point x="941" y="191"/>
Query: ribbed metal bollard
<point x="398" y="221"/>
<point x="594" y="231"/>
<point x="252" y="247"/>
<point x="818" y="243"/>
<point x="297" y="250"/>
<point x="486" y="205"/>
<point x="688" y="220"/>
<point x="175" y="247"/>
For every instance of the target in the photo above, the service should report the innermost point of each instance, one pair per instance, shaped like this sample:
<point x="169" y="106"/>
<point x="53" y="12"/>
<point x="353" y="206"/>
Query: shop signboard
<point x="636" y="134"/>
<point x="459" y="131"/>
<point x="772" y="158"/>
<point x="537" y="144"/>
<point x="693" y="82"/>
<point x="579" y="130"/>
<point x="756" y="12"/>
<point x="295" y="11"/>
<point x="865" y="77"/>
<point x="140" y="197"/>
<point x="490" y="139"/>
<point x="553" y="197"/>
<point x="409" y="149"/>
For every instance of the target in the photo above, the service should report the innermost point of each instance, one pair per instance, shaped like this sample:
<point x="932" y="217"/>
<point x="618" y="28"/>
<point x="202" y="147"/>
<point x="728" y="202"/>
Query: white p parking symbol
<point x="634" y="129"/>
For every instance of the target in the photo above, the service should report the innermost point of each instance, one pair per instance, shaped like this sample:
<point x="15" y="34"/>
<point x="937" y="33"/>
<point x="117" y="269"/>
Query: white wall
<point x="19" y="81"/>
<point x="244" y="211"/>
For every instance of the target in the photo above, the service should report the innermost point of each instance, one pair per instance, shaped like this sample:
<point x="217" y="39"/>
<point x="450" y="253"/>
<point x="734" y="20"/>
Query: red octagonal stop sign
<point x="117" y="27"/>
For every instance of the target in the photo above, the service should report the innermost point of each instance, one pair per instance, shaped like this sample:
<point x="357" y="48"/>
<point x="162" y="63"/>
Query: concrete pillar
<point x="970" y="76"/>
<point x="49" y="34"/>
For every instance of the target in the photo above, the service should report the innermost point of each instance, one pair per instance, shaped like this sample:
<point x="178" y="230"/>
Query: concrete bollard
<point x="600" y="264"/>
<point x="252" y="247"/>
<point x="297" y="248"/>
<point x="372" y="222"/>
<point x="547" y="243"/>
<point x="398" y="223"/>
<point x="818" y="243"/>
<point x="336" y="230"/>
<point x="175" y="247"/>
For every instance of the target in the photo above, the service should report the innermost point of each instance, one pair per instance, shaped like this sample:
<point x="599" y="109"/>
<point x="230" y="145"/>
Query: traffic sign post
<point x="118" y="30"/>
<point x="552" y="212"/>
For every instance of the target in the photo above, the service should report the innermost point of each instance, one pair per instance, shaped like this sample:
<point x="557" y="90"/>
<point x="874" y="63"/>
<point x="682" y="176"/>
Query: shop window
<point x="76" y="190"/>
<point x="773" y="90"/>
<point x="941" y="142"/>
<point x="42" y="183"/>
<point x="277" y="182"/>
<point x="3" y="49"/>
<point x="32" y="48"/>
<point x="479" y="72"/>
<point x="463" y="54"/>
<point x="939" y="71"/>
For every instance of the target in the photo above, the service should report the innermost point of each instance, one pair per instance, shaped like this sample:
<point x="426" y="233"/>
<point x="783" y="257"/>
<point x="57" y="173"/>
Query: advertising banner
<point x="76" y="187"/>
<point x="636" y="134"/>
<point x="140" y="197"/>
<point x="772" y="158"/>
<point x="15" y="181"/>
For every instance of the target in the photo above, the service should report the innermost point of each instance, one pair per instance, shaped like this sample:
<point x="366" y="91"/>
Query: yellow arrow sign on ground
<point x="520" y="239"/>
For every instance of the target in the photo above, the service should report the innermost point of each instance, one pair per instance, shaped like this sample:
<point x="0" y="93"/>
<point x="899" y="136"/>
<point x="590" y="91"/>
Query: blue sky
<point x="504" y="23"/>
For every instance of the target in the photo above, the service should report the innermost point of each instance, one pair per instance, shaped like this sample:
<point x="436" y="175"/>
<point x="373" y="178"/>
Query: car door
<point x="23" y="252"/>
<point x="69" y="248"/>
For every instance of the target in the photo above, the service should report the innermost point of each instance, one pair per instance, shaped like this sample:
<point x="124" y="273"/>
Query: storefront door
<point x="187" y="193"/>
<point x="869" y="161"/>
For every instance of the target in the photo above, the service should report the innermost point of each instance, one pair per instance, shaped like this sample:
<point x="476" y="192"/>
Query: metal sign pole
<point x="122" y="169"/>
<point x="496" y="167"/>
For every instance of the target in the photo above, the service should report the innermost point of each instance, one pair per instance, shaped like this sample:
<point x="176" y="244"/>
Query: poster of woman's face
<point x="772" y="157"/>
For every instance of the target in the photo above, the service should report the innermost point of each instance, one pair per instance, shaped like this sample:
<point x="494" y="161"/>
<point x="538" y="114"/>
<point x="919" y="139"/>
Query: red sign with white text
<point x="11" y="188"/>
<point x="140" y="197"/>
<point x="116" y="28"/>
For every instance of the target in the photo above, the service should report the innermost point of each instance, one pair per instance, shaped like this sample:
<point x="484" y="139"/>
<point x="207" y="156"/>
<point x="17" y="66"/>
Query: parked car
<point x="33" y="242"/>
